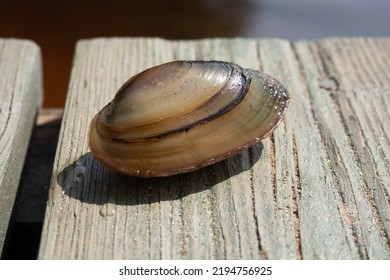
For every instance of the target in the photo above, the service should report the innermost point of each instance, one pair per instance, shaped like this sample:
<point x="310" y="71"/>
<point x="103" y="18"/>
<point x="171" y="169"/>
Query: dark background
<point x="56" y="25"/>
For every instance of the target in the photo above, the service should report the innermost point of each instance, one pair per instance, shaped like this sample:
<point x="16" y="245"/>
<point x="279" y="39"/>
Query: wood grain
<point x="317" y="188"/>
<point x="20" y="97"/>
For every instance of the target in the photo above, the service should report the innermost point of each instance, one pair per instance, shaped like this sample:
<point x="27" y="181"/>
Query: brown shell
<point x="183" y="115"/>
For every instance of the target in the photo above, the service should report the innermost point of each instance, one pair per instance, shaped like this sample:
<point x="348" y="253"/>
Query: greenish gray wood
<point x="20" y="97"/>
<point x="317" y="188"/>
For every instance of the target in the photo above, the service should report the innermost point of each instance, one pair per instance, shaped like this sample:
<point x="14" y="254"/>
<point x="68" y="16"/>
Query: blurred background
<point x="56" y="25"/>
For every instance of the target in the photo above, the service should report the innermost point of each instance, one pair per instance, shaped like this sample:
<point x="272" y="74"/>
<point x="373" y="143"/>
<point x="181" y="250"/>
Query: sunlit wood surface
<point x="317" y="188"/>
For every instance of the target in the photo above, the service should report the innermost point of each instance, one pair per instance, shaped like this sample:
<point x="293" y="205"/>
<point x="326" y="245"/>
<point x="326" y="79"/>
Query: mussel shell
<point x="183" y="115"/>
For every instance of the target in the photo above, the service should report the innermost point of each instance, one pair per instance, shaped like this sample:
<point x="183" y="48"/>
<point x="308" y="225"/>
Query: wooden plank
<point x="30" y="204"/>
<point x="318" y="188"/>
<point x="20" y="95"/>
<point x="350" y="121"/>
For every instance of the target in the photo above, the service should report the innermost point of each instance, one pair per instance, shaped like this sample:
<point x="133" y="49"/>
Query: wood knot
<point x="330" y="84"/>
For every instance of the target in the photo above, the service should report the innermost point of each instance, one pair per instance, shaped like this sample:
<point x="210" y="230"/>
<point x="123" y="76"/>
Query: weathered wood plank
<point x="351" y="125"/>
<point x="20" y="95"/>
<point x="318" y="188"/>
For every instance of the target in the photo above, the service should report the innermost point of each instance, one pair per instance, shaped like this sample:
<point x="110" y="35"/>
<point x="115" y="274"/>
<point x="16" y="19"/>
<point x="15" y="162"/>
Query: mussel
<point x="183" y="115"/>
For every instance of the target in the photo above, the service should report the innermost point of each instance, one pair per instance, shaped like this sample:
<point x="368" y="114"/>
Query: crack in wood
<point x="220" y="224"/>
<point x="252" y="188"/>
<point x="214" y="227"/>
<point x="296" y="195"/>
<point x="273" y="170"/>
<point x="296" y="166"/>
<point x="237" y="228"/>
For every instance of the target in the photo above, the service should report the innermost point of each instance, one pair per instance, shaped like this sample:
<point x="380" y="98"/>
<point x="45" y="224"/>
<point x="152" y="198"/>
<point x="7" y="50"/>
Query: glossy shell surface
<point x="183" y="115"/>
